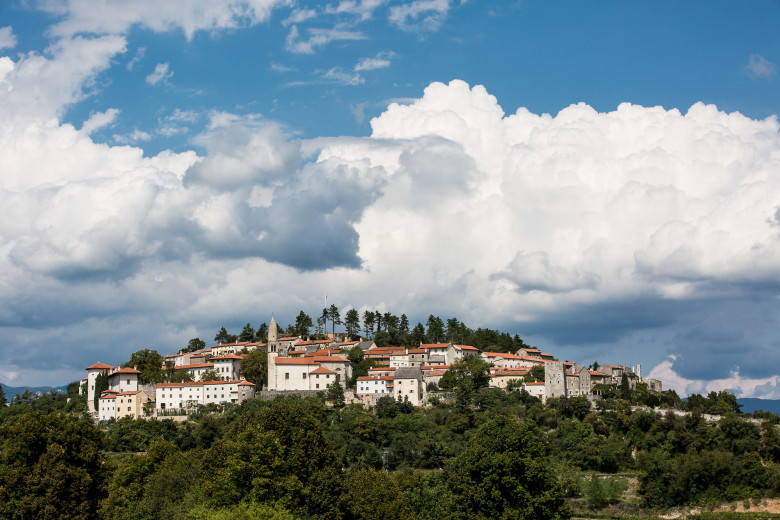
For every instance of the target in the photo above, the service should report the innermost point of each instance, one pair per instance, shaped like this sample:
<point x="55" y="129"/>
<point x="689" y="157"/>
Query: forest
<point x="484" y="453"/>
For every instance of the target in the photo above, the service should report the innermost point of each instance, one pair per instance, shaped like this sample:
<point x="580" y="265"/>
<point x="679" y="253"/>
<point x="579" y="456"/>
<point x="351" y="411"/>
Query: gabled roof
<point x="434" y="345"/>
<point x="506" y="373"/>
<point x="466" y="347"/>
<point x="504" y="355"/>
<point x="296" y="361"/>
<point x="408" y="373"/>
<point x="332" y="359"/>
<point x="322" y="370"/>
<point x="125" y="370"/>
<point x="198" y="365"/>
<point x="99" y="366"/>
<point x="199" y="383"/>
<point x="375" y="378"/>
<point x="227" y="357"/>
<point x="313" y="342"/>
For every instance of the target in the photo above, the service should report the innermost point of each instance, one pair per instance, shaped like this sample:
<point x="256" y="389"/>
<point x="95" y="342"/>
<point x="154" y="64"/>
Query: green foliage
<point x="195" y="344"/>
<point x="352" y="323"/>
<point x="535" y="374"/>
<point x="503" y="474"/>
<point x="150" y="363"/>
<point x="50" y="467"/>
<point x="3" y="400"/>
<point x="223" y="336"/>
<point x="303" y="323"/>
<point x="254" y="367"/>
<point x="594" y="492"/>
<point x="210" y="374"/>
<point x="435" y="330"/>
<point x="335" y="394"/>
<point x="243" y="511"/>
<point x="247" y="333"/>
<point x="101" y="385"/>
<point x="375" y="495"/>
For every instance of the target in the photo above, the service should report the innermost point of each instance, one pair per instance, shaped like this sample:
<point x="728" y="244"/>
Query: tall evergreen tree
<point x="222" y="336"/>
<point x="403" y="325"/>
<point x="335" y="317"/>
<point x="453" y="330"/>
<point x="369" y="323"/>
<point x="352" y="323"/>
<point x="435" y="332"/>
<point x="3" y="399"/>
<point x="262" y="332"/>
<point x="247" y="333"/>
<point x="324" y="317"/>
<point x="303" y="323"/>
<point x="418" y="334"/>
<point x="195" y="344"/>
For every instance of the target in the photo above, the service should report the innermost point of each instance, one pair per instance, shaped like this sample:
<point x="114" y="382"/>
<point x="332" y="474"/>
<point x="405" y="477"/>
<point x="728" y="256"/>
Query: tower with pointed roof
<point x="273" y="335"/>
<point x="273" y="331"/>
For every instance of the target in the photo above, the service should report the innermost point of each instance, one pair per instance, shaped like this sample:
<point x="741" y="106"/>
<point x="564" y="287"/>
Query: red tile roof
<point x="98" y="366"/>
<point x="125" y="371"/>
<point x="332" y="359"/>
<point x="434" y="345"/>
<point x="322" y="370"/>
<point x="505" y="355"/>
<point x="199" y="365"/>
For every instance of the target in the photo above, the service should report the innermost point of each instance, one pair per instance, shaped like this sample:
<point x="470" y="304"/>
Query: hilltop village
<point x="303" y="366"/>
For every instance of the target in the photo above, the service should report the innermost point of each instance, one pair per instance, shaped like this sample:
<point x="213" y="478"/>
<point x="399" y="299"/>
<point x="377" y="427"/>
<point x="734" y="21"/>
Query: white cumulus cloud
<point x="426" y="15"/>
<point x="318" y="37"/>
<point x="117" y="17"/>
<point x="380" y="61"/>
<point x="7" y="38"/>
<point x="759" y="67"/>
<point x="161" y="73"/>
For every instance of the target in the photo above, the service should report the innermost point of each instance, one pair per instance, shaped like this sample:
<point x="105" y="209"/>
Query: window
<point x="304" y="375"/>
<point x="317" y="385"/>
<point x="129" y="408"/>
<point x="287" y="375"/>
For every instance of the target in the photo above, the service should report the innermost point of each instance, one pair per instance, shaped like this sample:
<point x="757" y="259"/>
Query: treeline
<point x="486" y="454"/>
<point x="384" y="328"/>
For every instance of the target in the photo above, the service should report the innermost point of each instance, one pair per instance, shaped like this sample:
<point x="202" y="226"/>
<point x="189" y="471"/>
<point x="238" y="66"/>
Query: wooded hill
<point x="487" y="454"/>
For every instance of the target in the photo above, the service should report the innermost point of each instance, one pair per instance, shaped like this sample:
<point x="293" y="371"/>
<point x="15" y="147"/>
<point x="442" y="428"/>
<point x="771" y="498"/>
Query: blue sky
<point x="599" y="177"/>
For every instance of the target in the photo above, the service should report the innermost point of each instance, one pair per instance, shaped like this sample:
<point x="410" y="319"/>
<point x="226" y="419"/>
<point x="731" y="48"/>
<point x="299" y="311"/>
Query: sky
<point x="601" y="178"/>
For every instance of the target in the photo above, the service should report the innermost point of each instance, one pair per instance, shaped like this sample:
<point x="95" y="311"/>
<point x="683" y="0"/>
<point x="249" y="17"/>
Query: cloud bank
<point x="643" y="231"/>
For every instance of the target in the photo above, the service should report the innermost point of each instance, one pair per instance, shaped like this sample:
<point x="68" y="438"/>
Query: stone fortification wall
<point x="271" y="394"/>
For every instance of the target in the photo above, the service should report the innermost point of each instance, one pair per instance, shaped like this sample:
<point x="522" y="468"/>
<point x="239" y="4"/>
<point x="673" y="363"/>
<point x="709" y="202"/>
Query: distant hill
<point x="12" y="391"/>
<point x="751" y="404"/>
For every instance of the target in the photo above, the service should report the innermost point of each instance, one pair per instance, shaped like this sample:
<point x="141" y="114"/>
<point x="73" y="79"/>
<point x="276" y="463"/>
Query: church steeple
<point x="273" y="331"/>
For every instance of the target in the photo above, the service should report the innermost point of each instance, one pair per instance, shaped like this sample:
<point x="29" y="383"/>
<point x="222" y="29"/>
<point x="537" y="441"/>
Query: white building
<point x="92" y="373"/>
<point x="536" y="389"/>
<point x="307" y="373"/>
<point x="503" y="359"/>
<point x="407" y="384"/>
<point x="227" y="366"/>
<point x="181" y="396"/>
<point x="370" y="385"/>
<point x="123" y="379"/>
<point x="116" y="405"/>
